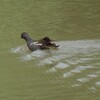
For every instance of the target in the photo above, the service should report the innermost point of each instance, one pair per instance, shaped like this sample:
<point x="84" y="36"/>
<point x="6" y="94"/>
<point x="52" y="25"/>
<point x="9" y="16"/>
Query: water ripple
<point x="71" y="58"/>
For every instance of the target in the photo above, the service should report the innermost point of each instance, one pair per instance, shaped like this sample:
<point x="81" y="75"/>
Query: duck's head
<point x="24" y="35"/>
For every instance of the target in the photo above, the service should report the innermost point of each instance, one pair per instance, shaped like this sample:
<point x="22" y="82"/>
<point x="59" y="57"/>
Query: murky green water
<point x="70" y="73"/>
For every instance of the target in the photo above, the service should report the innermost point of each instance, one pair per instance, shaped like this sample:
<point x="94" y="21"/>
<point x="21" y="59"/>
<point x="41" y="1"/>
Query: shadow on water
<point x="71" y="58"/>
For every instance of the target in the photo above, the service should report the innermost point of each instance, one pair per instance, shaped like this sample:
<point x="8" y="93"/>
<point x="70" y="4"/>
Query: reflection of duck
<point x="33" y="45"/>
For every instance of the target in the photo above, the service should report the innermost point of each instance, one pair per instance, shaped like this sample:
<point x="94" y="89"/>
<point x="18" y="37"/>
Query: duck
<point x="42" y="44"/>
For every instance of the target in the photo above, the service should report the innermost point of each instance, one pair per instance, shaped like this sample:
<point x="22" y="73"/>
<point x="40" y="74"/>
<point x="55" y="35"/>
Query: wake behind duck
<point x="42" y="44"/>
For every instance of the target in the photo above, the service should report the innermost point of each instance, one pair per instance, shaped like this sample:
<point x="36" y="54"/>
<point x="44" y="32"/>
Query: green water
<point x="70" y="73"/>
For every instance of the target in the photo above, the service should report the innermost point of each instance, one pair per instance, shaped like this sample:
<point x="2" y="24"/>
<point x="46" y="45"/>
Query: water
<point x="70" y="72"/>
<point x="77" y="60"/>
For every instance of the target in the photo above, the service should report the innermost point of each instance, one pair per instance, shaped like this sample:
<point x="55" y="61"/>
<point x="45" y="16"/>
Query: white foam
<point x="92" y="75"/>
<point x="78" y="69"/>
<point x="98" y="83"/>
<point x="76" y="85"/>
<point x="61" y="65"/>
<point x="27" y="58"/>
<point x="33" y="55"/>
<point x="51" y="70"/>
<point x="92" y="89"/>
<point x="67" y="74"/>
<point x="38" y="53"/>
<point x="45" y="62"/>
<point x="83" y="80"/>
<point x="20" y="49"/>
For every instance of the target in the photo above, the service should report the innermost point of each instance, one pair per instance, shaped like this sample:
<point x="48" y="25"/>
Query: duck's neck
<point x="28" y="39"/>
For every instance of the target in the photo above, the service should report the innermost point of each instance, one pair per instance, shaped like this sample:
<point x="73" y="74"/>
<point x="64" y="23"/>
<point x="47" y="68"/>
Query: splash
<point x="68" y="53"/>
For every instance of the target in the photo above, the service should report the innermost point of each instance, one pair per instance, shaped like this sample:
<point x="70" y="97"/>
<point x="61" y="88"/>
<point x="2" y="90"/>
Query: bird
<point x="42" y="44"/>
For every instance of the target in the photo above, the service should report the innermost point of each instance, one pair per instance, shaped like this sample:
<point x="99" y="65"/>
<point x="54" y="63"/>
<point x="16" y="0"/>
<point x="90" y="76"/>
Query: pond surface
<point x="72" y="71"/>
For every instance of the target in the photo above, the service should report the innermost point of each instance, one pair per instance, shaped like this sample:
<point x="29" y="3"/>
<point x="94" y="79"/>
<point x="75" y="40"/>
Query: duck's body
<point x="33" y="45"/>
